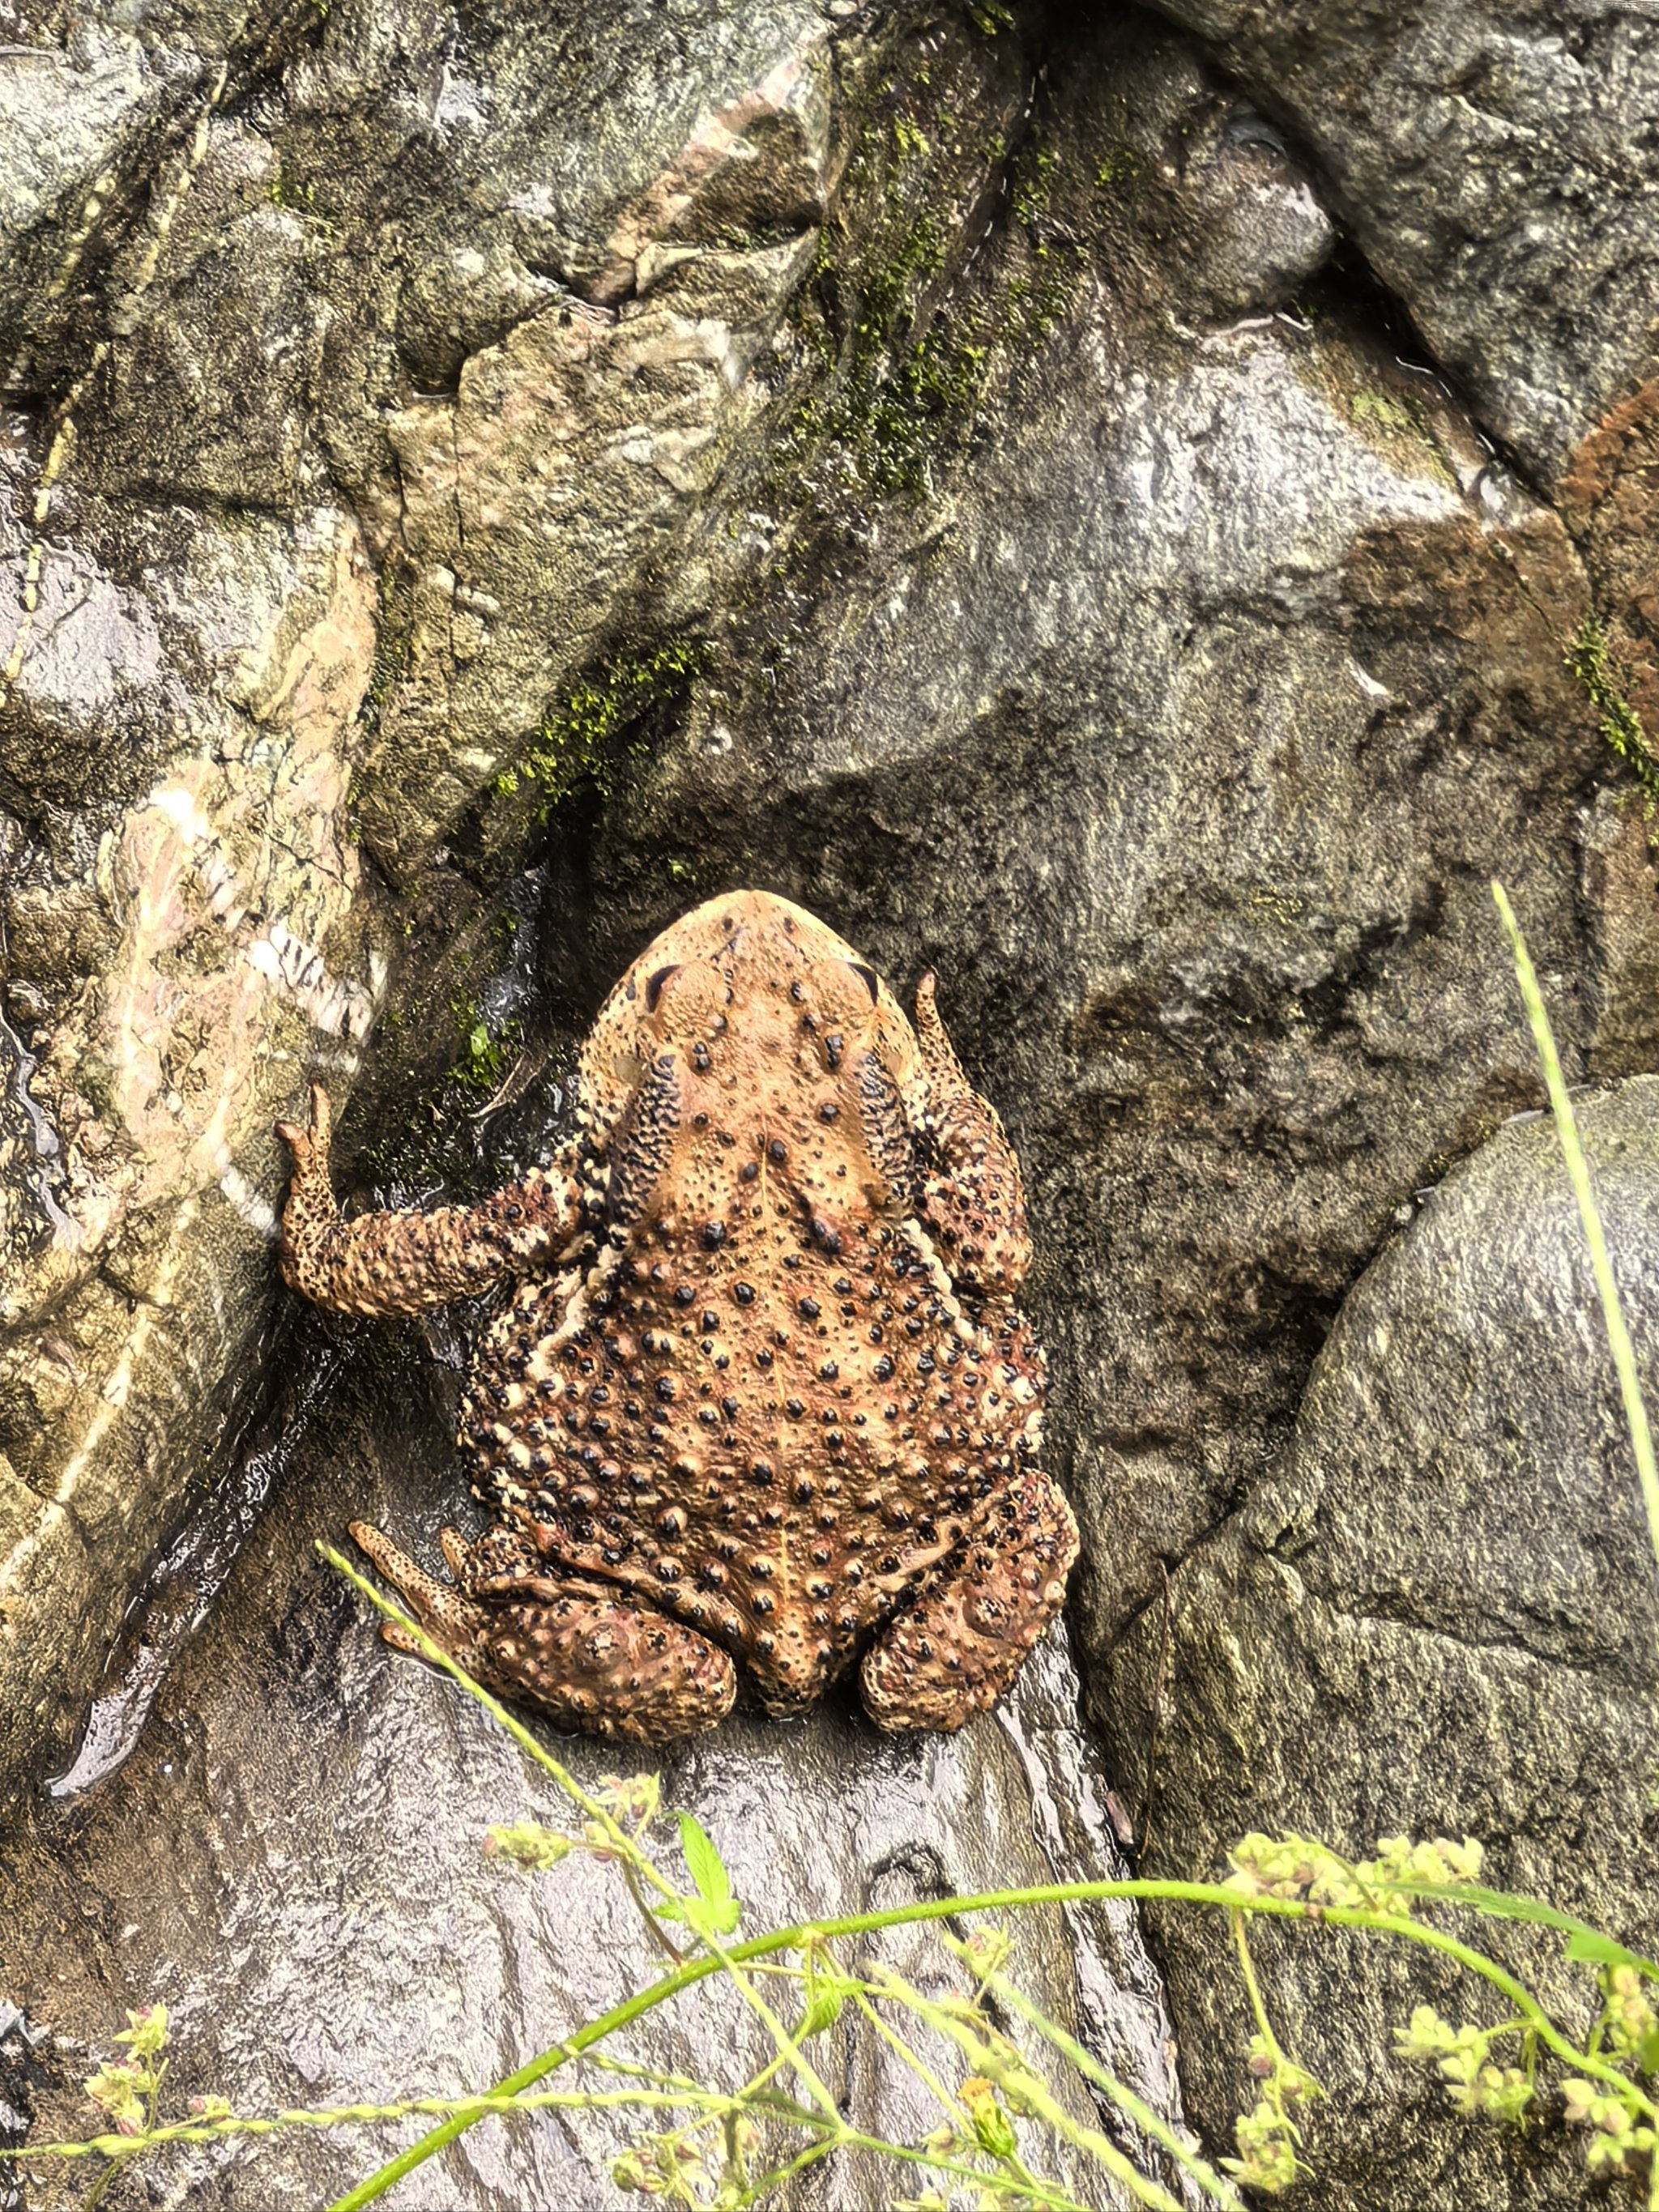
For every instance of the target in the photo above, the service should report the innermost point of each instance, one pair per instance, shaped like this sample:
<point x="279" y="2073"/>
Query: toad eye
<point x="653" y="989"/>
<point x="868" y="977"/>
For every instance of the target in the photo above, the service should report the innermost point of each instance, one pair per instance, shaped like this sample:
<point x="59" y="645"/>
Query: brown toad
<point x="761" y="1391"/>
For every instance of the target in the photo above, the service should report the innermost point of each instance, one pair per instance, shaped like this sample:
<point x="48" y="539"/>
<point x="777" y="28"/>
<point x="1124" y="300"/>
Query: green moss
<point x="1389" y="419"/>
<point x="881" y="402"/>
<point x="285" y="193"/>
<point x="1400" y="412"/>
<point x="1588" y="658"/>
<point x="577" y="741"/>
<point x="1118" y="166"/>
<point x="910" y="376"/>
<point x="484" y="1058"/>
<point x="1037" y="302"/>
<point x="1033" y="183"/>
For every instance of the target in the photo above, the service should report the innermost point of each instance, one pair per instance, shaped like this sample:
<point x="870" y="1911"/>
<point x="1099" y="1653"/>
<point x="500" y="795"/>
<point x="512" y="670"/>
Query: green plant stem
<point x="1017" y="2081"/>
<point x="1253" y="1989"/>
<point x="891" y="1986"/>
<point x="913" y="2058"/>
<point x="718" y="1959"/>
<point x="777" y="2176"/>
<point x="119" y="2148"/>
<point x="628" y="1848"/>
<point x="762" y="1947"/>
<point x="789" y="2051"/>
<point x="1049" y="2197"/>
<point x="1567" y="1128"/>
<point x="95" y="2195"/>
<point x="1136" y="2108"/>
<point x="1216" y="1895"/>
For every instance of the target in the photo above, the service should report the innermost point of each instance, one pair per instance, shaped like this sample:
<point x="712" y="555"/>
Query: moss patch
<point x="1390" y="411"/>
<point x="904" y="383"/>
<point x="578" y="740"/>
<point x="1586" y="656"/>
<point x="485" y="1056"/>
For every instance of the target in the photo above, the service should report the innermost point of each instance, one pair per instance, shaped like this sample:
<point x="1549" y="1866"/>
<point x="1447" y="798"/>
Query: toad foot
<point x="577" y="1647"/>
<point x="956" y="1651"/>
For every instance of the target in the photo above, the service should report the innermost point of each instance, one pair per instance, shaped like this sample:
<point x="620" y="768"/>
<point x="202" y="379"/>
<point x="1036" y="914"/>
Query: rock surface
<point x="961" y="472"/>
<point x="1448" y="1586"/>
<point x="1494" y="166"/>
<point x="393" y="291"/>
<point x="275" y="1864"/>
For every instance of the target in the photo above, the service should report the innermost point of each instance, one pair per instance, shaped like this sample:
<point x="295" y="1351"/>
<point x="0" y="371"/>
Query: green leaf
<point x="1586" y="1944"/>
<point x="713" y="1911"/>
<point x="1588" y="1947"/>
<point x="827" y="1993"/>
<point x="708" y="1868"/>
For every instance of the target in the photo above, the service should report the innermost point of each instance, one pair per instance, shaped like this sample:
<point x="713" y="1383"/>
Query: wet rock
<point x="1181" y="731"/>
<point x="67" y="118"/>
<point x="1438" y="1615"/>
<point x="220" y="686"/>
<point x="1607" y="501"/>
<point x="1495" y="167"/>
<point x="602" y="227"/>
<point x="1211" y="179"/>
<point x="292" y="1862"/>
<point x="1618" y="863"/>
<point x="167" y="922"/>
<point x="207" y="396"/>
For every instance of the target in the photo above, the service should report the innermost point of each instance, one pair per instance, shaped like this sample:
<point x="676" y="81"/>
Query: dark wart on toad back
<point x="761" y="1394"/>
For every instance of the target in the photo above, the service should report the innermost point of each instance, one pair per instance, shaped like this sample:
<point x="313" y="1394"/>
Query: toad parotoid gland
<point x="760" y="1392"/>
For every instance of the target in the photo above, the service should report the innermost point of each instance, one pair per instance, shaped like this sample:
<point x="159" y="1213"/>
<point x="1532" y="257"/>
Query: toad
<point x="759" y="1393"/>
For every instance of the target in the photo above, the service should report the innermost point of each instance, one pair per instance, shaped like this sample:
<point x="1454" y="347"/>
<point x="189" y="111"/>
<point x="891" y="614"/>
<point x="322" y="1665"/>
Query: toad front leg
<point x="956" y="1651"/>
<point x="401" y="1263"/>
<point x="589" y="1656"/>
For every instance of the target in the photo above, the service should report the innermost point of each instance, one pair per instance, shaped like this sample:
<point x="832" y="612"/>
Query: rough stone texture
<point x="1448" y="1587"/>
<point x="931" y="467"/>
<point x="281" y="572"/>
<point x="1494" y="165"/>
<point x="69" y="118"/>
<point x="186" y="755"/>
<point x="1202" y="705"/>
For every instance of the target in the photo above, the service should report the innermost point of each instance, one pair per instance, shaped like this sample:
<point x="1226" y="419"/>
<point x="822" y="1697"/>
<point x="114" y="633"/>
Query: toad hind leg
<point x="954" y="1653"/>
<point x="591" y="1660"/>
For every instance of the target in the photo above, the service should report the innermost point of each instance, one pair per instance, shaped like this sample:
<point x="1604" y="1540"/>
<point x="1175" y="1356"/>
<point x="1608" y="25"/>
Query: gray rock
<point x="184" y="757"/>
<point x="1438" y="1616"/>
<point x="1182" y="732"/>
<point x="207" y="398"/>
<point x="1495" y="166"/>
<point x="69" y="119"/>
<point x="1260" y="230"/>
<point x="292" y="1862"/>
<point x="928" y="472"/>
